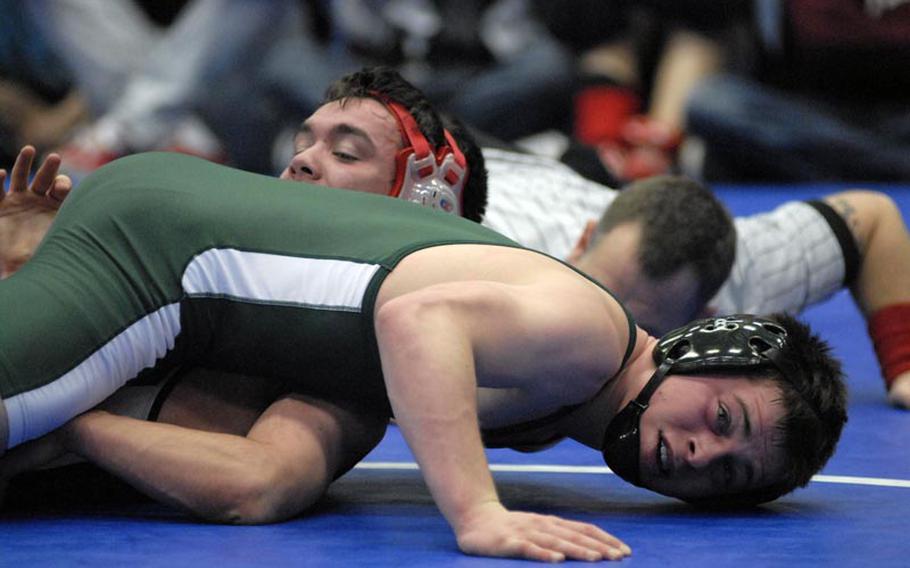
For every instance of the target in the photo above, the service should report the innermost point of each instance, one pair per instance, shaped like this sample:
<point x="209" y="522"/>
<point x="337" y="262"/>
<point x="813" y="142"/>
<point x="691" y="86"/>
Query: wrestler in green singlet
<point x="163" y="254"/>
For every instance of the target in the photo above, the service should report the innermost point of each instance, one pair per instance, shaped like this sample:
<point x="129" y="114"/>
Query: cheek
<point x="367" y="179"/>
<point x="362" y="184"/>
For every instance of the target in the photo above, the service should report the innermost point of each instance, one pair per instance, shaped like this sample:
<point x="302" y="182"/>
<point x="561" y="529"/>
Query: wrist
<point x="889" y="328"/>
<point x="471" y="515"/>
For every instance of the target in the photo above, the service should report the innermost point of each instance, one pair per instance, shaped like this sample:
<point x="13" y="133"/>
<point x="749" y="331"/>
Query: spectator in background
<point x="638" y="61"/>
<point x="828" y="100"/>
<point x="153" y="87"/>
<point x="490" y="62"/>
<point x="37" y="104"/>
<point x="226" y="74"/>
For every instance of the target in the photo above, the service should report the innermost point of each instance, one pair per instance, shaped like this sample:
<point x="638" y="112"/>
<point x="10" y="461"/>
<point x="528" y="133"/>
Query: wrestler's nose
<point x="304" y="166"/>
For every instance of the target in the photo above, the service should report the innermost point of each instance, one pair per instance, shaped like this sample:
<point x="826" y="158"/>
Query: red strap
<point x="602" y="111"/>
<point x="889" y="328"/>
<point x="459" y="156"/>
<point x="414" y="138"/>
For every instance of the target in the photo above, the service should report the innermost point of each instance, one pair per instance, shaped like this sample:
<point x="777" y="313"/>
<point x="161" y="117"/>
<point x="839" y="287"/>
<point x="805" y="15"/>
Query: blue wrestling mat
<point x="380" y="514"/>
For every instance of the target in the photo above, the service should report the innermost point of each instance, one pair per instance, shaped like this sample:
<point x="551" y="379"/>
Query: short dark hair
<point x="815" y="411"/>
<point x="682" y="223"/>
<point x="366" y="83"/>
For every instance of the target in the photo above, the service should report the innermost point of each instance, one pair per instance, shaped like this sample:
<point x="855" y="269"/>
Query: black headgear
<point x="739" y="343"/>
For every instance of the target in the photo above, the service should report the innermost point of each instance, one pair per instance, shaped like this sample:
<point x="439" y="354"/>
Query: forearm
<point x="434" y="401"/>
<point x="212" y="475"/>
<point x="882" y="287"/>
<point x="437" y="347"/>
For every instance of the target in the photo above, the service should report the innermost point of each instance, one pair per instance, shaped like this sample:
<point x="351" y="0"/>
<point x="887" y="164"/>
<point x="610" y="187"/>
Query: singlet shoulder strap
<point x="633" y="337"/>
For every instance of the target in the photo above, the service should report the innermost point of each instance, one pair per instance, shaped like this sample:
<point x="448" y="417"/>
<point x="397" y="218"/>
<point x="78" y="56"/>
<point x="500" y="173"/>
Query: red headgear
<point x="431" y="177"/>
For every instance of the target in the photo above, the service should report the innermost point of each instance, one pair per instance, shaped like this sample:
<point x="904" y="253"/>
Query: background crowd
<point x="746" y="90"/>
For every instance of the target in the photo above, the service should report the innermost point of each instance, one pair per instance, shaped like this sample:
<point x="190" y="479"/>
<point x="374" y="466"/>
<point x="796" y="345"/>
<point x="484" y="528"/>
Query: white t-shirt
<point x="786" y="259"/>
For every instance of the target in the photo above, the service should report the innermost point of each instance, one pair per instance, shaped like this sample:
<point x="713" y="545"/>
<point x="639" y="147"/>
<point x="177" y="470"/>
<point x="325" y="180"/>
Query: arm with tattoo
<point x="883" y="282"/>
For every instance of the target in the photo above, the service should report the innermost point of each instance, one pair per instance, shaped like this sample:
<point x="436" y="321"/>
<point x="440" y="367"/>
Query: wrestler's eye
<point x="723" y="419"/>
<point x="345" y="157"/>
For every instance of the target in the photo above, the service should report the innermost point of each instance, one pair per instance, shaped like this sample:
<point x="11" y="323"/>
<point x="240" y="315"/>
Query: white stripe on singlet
<point x="225" y="273"/>
<point x="38" y="411"/>
<point x="251" y="276"/>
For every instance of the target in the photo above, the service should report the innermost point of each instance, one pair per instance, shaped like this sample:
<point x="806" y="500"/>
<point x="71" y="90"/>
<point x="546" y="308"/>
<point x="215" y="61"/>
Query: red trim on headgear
<point x="417" y="148"/>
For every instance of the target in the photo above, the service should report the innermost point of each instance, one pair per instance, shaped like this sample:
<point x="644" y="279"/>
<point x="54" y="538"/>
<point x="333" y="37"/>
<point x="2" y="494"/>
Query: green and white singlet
<point x="164" y="254"/>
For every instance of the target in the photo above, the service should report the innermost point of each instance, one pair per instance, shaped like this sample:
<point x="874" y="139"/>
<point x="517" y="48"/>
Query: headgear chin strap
<point x="433" y="178"/>
<point x="739" y="343"/>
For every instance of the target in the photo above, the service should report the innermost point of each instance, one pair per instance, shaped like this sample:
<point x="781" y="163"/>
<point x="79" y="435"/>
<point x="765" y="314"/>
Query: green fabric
<point x="122" y="240"/>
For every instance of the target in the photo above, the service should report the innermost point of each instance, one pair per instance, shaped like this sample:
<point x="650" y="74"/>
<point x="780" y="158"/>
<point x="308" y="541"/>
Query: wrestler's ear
<point x="584" y="241"/>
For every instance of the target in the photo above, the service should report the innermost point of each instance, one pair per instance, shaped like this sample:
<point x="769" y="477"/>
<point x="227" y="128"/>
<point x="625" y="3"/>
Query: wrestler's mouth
<point x="663" y="456"/>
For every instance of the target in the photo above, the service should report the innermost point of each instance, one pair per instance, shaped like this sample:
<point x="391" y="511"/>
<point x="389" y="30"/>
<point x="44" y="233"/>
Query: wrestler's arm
<point x="283" y="465"/>
<point x="884" y="275"/>
<point x="440" y="343"/>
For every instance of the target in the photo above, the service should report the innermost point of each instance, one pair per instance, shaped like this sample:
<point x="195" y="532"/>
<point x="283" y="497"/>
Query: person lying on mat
<point x="359" y="308"/>
<point x="787" y="259"/>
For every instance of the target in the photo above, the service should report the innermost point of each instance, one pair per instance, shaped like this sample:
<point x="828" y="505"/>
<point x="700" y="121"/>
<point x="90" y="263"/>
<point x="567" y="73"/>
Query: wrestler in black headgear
<point x="739" y="343"/>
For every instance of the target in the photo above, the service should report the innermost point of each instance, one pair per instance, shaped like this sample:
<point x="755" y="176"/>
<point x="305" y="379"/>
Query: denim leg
<point x="763" y="132"/>
<point x="522" y="96"/>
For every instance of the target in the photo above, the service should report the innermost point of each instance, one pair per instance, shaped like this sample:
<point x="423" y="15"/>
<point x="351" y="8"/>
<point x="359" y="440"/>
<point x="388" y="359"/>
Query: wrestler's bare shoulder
<point x="470" y="262"/>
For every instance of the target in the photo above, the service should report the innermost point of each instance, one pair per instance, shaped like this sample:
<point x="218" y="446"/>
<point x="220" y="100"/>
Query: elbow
<point x="247" y="501"/>
<point x="887" y="207"/>
<point x="256" y="498"/>
<point x="880" y="204"/>
<point x="884" y="221"/>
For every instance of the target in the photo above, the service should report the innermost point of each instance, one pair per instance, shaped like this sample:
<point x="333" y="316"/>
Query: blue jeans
<point x="756" y="132"/>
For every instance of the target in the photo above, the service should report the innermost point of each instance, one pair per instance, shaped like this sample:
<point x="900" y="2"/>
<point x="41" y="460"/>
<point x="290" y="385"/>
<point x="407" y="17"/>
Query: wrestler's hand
<point x="48" y="188"/>
<point x="495" y="531"/>
<point x="899" y="393"/>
